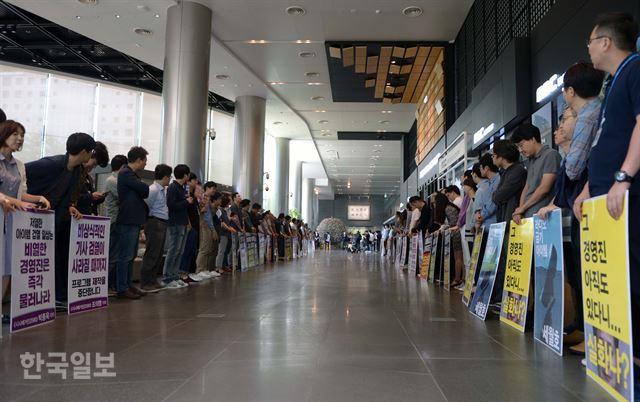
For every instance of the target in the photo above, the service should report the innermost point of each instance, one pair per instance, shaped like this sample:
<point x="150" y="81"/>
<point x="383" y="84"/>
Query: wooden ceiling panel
<point x="406" y="69"/>
<point x="347" y="56"/>
<point x="411" y="52"/>
<point x="335" y="52"/>
<point x="361" y="59"/>
<point x="372" y="64"/>
<point x="370" y="83"/>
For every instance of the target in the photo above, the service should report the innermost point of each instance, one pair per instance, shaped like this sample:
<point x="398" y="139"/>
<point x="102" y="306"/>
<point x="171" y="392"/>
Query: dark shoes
<point x="128" y="294"/>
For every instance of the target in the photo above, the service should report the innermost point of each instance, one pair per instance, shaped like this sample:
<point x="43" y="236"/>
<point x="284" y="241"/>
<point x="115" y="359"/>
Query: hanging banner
<point x="515" y="296"/>
<point x="398" y="252"/>
<point x="88" y="264"/>
<point x="403" y="251"/>
<point x="549" y="283"/>
<point x="446" y="260"/>
<point x="606" y="298"/>
<point x="433" y="261"/>
<point x="271" y="247"/>
<point x="32" y="268"/>
<point x="420" y="251"/>
<point x="413" y="253"/>
<point x="426" y="255"/>
<point x="487" y="277"/>
<point x="469" y="285"/>
<point x="262" y="248"/>
<point x="242" y="247"/>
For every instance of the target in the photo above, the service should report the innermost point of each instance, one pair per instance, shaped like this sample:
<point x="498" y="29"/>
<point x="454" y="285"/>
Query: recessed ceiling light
<point x="393" y="62"/>
<point x="88" y="2"/>
<point x="323" y="121"/>
<point x="326" y="134"/>
<point x="312" y="74"/>
<point x="317" y="98"/>
<point x="138" y="45"/>
<point x="156" y="15"/>
<point x="387" y="111"/>
<point x="384" y="122"/>
<point x="143" y="31"/>
<point x="277" y="123"/>
<point x="320" y="111"/>
<point x="412" y="11"/>
<point x="307" y="55"/>
<point x="426" y="99"/>
<point x="117" y="15"/>
<point x="303" y="41"/>
<point x="77" y="17"/>
<point x="295" y="10"/>
<point x="222" y="76"/>
<point x="314" y="83"/>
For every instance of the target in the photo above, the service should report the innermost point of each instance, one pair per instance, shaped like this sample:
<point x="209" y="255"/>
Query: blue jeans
<point x="176" y="238"/>
<point x="190" y="250"/>
<point x="127" y="250"/>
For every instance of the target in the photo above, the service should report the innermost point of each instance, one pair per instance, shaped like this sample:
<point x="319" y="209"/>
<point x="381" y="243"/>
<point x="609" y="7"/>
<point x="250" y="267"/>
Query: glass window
<point x="23" y="95"/>
<point x="151" y="128"/>
<point x="221" y="149"/>
<point x="70" y="110"/>
<point x="118" y="118"/>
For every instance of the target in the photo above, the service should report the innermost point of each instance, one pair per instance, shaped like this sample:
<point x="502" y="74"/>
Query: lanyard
<point x="613" y="82"/>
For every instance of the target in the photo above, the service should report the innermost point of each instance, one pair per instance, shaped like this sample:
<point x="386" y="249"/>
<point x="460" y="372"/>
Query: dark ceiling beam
<point x="59" y="41"/>
<point x="31" y="54"/>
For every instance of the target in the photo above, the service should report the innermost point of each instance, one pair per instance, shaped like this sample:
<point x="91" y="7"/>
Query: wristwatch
<point x="621" y="176"/>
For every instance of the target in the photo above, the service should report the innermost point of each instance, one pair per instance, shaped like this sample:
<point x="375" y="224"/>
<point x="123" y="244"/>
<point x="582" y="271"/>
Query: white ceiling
<point x="253" y="67"/>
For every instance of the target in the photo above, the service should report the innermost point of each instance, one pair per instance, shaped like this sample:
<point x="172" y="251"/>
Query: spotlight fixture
<point x="312" y="74"/>
<point x="317" y="98"/>
<point x="222" y="76"/>
<point x="307" y="55"/>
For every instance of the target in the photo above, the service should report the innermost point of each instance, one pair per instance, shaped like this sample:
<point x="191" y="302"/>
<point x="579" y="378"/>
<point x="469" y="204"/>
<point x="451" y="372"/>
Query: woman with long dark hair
<point x="446" y="215"/>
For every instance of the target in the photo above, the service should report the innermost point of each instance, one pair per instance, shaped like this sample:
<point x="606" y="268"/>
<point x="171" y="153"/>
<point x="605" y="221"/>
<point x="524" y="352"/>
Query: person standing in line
<point x="484" y="207"/>
<point x="88" y="197"/>
<point x="542" y="166"/>
<point x="132" y="215"/>
<point x="578" y="127"/>
<point x="155" y="229"/>
<point x="190" y="252"/>
<point x="507" y="198"/>
<point x="13" y="186"/>
<point x="112" y="205"/>
<point x="226" y="231"/>
<point x="615" y="156"/>
<point x="236" y="199"/>
<point x="177" y="203"/>
<point x="55" y="177"/>
<point x="453" y="194"/>
<point x="205" y="262"/>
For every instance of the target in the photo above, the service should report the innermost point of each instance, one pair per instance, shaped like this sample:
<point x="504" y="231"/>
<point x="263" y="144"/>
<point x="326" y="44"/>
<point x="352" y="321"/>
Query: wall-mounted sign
<point x="549" y="87"/>
<point x="359" y="212"/>
<point x="452" y="155"/>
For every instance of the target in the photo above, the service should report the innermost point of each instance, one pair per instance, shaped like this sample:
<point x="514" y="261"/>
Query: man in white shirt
<point x="155" y="229"/>
<point x="453" y="194"/>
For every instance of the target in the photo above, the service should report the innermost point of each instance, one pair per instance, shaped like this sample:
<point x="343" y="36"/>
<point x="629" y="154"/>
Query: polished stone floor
<point x="334" y="327"/>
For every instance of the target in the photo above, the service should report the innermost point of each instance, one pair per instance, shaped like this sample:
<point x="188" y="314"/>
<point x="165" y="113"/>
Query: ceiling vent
<point x="296" y="10"/>
<point x="88" y="2"/>
<point x="412" y="11"/>
<point x="307" y="55"/>
<point x="143" y="31"/>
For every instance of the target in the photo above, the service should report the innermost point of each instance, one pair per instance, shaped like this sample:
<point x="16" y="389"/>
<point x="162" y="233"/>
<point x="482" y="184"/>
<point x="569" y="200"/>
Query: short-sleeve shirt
<point x="545" y="162"/>
<point x="9" y="177"/>
<point x="620" y="110"/>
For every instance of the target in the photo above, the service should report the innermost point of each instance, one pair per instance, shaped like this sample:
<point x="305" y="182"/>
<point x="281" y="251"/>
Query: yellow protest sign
<point x="515" y="294"/>
<point x="606" y="298"/>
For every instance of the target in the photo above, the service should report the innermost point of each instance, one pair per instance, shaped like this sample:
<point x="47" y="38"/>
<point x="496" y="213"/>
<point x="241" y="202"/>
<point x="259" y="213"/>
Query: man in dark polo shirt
<point x="615" y="157"/>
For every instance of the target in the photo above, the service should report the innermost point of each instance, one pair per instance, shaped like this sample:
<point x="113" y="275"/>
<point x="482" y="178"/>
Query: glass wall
<point x="52" y="106"/>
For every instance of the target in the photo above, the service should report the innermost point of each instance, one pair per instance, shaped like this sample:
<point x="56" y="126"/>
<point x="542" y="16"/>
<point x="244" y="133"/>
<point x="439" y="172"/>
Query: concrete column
<point x="185" y="85"/>
<point x="281" y="179"/>
<point x="248" y="150"/>
<point x="297" y="188"/>
<point x="308" y="186"/>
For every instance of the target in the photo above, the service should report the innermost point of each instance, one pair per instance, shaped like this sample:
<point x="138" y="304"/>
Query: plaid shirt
<point x="583" y="136"/>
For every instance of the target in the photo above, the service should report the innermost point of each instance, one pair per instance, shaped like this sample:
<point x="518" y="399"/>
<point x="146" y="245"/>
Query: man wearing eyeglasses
<point x="615" y="156"/>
